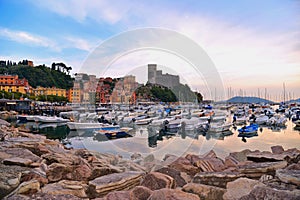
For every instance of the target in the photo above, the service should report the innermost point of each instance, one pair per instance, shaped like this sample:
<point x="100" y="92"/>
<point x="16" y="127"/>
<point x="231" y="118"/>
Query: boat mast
<point x="283" y="92"/>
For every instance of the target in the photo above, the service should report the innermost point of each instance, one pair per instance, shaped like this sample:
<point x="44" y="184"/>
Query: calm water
<point x="178" y="144"/>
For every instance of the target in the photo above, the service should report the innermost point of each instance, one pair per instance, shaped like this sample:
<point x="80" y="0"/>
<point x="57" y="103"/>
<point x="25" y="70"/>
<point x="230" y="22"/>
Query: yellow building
<point x="12" y="83"/>
<point x="49" y="91"/>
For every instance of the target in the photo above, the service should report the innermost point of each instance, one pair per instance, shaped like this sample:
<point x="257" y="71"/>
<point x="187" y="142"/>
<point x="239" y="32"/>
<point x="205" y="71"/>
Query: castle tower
<point x="152" y="73"/>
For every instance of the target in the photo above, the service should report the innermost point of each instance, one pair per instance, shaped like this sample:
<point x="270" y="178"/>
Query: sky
<point x="253" y="44"/>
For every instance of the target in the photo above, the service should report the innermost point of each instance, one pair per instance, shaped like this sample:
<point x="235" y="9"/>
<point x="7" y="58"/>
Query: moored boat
<point x="90" y="126"/>
<point x="248" y="130"/>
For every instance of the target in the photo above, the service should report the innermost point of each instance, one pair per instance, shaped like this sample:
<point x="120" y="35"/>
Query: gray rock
<point x="239" y="188"/>
<point x="264" y="192"/>
<point x="277" y="149"/>
<point x="289" y="176"/>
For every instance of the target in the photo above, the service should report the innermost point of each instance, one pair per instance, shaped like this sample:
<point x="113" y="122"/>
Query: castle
<point x="157" y="77"/>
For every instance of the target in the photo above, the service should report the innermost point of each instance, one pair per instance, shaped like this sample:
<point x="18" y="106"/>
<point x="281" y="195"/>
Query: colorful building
<point x="49" y="91"/>
<point x="12" y="83"/>
<point x="124" y="90"/>
<point x="103" y="90"/>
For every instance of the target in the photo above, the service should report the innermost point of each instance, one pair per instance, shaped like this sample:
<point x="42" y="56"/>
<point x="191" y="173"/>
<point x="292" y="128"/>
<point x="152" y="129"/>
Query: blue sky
<point x="247" y="40"/>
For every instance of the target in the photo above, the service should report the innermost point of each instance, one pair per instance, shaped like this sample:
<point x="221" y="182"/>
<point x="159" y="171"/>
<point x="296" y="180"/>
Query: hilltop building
<point x="157" y="77"/>
<point x="30" y="63"/>
<point x="12" y="83"/>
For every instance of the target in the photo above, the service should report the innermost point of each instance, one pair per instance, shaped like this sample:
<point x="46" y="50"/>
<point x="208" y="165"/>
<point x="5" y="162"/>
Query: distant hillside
<point x="239" y="99"/>
<point x="294" y="100"/>
<point x="40" y="75"/>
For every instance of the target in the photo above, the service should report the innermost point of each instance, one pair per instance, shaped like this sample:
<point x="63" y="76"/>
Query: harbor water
<point x="178" y="143"/>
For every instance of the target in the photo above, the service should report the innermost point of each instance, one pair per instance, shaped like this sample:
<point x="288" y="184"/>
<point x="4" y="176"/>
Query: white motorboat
<point x="47" y="119"/>
<point x="90" y="126"/>
<point x="240" y="120"/>
<point x="219" y="127"/>
<point x="174" y="124"/>
<point x="191" y="124"/>
<point x="277" y="120"/>
<point x="261" y="119"/>
<point x="145" y="121"/>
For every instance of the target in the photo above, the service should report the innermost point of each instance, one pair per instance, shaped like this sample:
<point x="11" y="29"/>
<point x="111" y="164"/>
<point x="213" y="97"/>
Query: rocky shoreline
<point x="33" y="167"/>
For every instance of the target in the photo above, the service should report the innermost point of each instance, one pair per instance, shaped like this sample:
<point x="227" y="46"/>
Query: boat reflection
<point x="244" y="136"/>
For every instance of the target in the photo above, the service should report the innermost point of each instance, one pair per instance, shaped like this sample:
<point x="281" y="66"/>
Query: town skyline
<point x="253" y="44"/>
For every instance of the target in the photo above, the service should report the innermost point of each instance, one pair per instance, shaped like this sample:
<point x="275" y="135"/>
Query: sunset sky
<point x="254" y="44"/>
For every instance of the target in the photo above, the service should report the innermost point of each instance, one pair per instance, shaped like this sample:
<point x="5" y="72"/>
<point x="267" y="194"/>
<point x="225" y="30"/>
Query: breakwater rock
<point x="34" y="167"/>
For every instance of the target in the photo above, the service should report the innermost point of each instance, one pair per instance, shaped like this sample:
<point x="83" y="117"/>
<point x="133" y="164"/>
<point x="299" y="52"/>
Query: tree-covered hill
<point x="40" y="75"/>
<point x="156" y="92"/>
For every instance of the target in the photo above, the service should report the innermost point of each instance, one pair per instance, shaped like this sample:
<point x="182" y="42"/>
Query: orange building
<point x="12" y="83"/>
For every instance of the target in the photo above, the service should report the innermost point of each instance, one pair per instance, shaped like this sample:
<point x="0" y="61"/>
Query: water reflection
<point x="151" y="138"/>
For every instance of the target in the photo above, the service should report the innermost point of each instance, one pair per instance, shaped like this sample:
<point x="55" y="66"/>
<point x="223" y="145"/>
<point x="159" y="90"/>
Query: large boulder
<point x="17" y="161"/>
<point x="29" y="187"/>
<point x="265" y="157"/>
<point x="156" y="181"/>
<point x="256" y="170"/>
<point x="175" y="174"/>
<point x="184" y="165"/>
<point x="172" y="194"/>
<point x="101" y="171"/>
<point x="10" y="177"/>
<point x="218" y="179"/>
<point x="205" y="192"/>
<point x="289" y="176"/>
<point x="140" y="193"/>
<point x="210" y="164"/>
<point x="34" y="174"/>
<point x="18" y="153"/>
<point x="264" y="192"/>
<point x="58" y="171"/>
<point x="277" y="149"/>
<point x="237" y="158"/>
<point x="192" y="158"/>
<point x="239" y="188"/>
<point x="101" y="186"/>
<point x="75" y="188"/>
<point x="63" y="158"/>
<point x="116" y="195"/>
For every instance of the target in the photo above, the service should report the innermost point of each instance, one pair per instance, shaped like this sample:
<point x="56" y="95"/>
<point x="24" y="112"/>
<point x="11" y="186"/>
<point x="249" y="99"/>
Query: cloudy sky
<point x="253" y="44"/>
